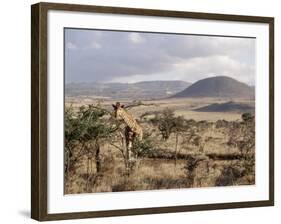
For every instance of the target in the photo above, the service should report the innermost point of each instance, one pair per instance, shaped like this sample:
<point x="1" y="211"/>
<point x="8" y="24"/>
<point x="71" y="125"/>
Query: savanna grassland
<point x="181" y="148"/>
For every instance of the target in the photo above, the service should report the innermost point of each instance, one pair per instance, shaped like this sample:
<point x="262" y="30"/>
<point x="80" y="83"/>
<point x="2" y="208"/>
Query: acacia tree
<point x="168" y="123"/>
<point x="86" y="129"/>
<point x="96" y="129"/>
<point x="180" y="127"/>
<point x="241" y="136"/>
<point x="165" y="121"/>
<point x="72" y="135"/>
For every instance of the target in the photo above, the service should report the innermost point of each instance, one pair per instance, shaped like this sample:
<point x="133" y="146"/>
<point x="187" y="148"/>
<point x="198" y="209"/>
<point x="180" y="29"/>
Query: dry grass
<point x="161" y="173"/>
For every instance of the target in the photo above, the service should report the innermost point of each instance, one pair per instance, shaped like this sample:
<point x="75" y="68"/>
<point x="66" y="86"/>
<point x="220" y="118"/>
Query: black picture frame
<point x="39" y="107"/>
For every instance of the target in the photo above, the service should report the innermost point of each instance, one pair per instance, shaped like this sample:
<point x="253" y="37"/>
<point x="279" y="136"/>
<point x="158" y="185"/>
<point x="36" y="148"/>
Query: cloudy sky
<point x="111" y="56"/>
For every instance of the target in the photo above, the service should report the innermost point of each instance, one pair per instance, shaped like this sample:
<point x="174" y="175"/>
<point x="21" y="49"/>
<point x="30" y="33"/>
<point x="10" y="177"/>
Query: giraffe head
<point x="117" y="110"/>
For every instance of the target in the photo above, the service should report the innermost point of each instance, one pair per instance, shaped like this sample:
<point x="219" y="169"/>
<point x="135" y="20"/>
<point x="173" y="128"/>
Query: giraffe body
<point x="132" y="130"/>
<point x="130" y="121"/>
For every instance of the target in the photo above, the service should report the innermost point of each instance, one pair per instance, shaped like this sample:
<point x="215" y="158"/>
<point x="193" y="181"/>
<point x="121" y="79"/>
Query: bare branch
<point x="101" y="109"/>
<point x="139" y="103"/>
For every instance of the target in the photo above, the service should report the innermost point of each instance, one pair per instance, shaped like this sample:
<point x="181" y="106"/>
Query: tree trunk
<point x="176" y="148"/>
<point x="88" y="172"/>
<point x="97" y="158"/>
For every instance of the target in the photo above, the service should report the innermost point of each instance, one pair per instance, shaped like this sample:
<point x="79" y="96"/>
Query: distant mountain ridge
<point x="139" y="90"/>
<point x="228" y="106"/>
<point x="219" y="86"/>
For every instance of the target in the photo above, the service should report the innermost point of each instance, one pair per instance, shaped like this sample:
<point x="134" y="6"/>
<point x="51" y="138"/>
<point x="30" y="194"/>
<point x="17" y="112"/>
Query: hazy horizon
<point x="109" y="82"/>
<point x="131" y="57"/>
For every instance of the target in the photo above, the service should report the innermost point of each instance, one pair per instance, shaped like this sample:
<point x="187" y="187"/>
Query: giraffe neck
<point x="128" y="119"/>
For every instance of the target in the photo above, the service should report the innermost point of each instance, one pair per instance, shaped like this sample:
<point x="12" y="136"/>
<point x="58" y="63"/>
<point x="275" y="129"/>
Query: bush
<point x="247" y="117"/>
<point x="167" y="123"/>
<point x="85" y="130"/>
<point x="143" y="147"/>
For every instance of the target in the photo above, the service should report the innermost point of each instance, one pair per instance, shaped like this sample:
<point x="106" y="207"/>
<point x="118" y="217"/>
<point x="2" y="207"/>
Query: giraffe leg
<point x="129" y="143"/>
<point x="128" y="149"/>
<point x="130" y="146"/>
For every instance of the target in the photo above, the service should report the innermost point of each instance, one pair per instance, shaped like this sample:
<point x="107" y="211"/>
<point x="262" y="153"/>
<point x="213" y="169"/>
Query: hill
<point x="219" y="86"/>
<point x="137" y="91"/>
<point x="226" y="107"/>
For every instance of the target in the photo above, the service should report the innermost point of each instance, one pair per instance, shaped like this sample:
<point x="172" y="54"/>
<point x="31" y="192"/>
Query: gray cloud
<point x="106" y="56"/>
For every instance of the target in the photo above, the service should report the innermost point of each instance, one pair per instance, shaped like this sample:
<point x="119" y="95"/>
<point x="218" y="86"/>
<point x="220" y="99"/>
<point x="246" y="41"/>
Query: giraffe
<point x="132" y="130"/>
